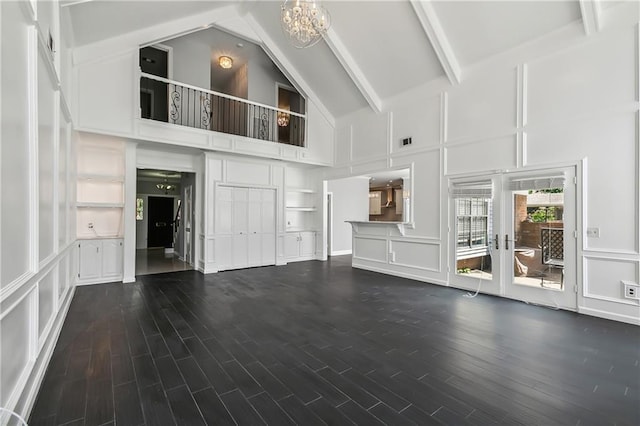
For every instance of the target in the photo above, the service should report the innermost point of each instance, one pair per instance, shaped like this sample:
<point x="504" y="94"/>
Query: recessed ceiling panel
<point x="477" y="30"/>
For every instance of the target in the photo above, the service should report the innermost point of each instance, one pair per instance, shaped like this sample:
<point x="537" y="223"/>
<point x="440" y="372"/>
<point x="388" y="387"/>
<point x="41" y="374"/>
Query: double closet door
<point x="245" y="227"/>
<point x="515" y="235"/>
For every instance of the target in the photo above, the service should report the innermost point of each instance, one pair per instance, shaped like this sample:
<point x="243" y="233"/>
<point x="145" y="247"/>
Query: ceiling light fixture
<point x="225" y="62"/>
<point x="283" y="119"/>
<point x="304" y="22"/>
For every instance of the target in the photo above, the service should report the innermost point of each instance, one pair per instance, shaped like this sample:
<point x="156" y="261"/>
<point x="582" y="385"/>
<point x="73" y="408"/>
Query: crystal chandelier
<point x="304" y="22"/>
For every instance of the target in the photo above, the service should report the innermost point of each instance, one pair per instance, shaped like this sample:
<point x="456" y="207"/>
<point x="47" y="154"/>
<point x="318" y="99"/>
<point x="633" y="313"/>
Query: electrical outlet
<point x="631" y="290"/>
<point x="593" y="232"/>
<point x="90" y="225"/>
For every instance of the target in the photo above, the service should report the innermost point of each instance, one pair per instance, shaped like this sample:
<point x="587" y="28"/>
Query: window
<point x="139" y="209"/>
<point x="472" y="214"/>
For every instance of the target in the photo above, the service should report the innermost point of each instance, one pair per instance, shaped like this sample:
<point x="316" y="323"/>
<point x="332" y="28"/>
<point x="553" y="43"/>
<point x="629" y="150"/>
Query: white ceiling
<point x="378" y="49"/>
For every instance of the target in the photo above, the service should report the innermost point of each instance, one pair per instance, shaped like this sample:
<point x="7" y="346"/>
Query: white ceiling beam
<point x="590" y="10"/>
<point x="353" y="70"/>
<point x="278" y="57"/>
<point x="432" y="27"/>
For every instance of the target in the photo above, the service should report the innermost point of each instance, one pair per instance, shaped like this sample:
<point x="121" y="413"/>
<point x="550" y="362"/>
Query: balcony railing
<point x="173" y="102"/>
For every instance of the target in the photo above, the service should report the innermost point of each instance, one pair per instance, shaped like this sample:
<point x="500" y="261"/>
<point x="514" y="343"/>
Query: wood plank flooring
<point x="317" y="343"/>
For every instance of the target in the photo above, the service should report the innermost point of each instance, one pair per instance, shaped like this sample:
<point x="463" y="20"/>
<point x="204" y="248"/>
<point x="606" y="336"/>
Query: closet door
<point x="224" y="227"/>
<point x="240" y="228"/>
<point x="255" y="227"/>
<point x="268" y="226"/>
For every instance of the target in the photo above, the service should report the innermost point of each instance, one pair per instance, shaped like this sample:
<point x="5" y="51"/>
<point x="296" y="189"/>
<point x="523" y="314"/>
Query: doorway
<point x="513" y="234"/>
<point x="290" y="128"/>
<point x="164" y="221"/>
<point x="160" y="224"/>
<point x="153" y="93"/>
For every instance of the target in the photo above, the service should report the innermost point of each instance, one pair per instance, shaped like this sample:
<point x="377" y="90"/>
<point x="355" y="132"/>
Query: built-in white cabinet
<point x="100" y="260"/>
<point x="375" y="202"/>
<point x="245" y="227"/>
<point x="300" y="245"/>
<point x="399" y="201"/>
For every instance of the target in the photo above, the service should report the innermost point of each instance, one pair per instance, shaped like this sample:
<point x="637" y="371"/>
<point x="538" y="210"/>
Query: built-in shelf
<point x="302" y="209"/>
<point x="99" y="205"/>
<point x="303" y="190"/>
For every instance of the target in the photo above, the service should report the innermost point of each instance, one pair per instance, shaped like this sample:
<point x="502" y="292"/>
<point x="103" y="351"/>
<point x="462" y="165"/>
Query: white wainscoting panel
<point x="419" y="121"/>
<point x="490" y="154"/>
<point x="369" y="136"/>
<point x="46" y="157"/>
<point x="46" y="301"/>
<point x="247" y="173"/>
<point x="104" y="92"/>
<point x="483" y="107"/>
<point x="415" y="254"/>
<point x="370" y="248"/>
<point x="590" y="77"/>
<point x="343" y="145"/>
<point x="603" y="276"/>
<point x="15" y="347"/>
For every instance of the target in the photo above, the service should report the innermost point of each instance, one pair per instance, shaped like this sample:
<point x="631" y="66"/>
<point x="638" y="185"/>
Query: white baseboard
<point x="340" y="252"/>
<point x="608" y="315"/>
<point x="401" y="274"/>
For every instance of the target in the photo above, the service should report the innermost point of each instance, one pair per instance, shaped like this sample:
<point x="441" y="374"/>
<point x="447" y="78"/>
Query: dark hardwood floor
<point x="317" y="343"/>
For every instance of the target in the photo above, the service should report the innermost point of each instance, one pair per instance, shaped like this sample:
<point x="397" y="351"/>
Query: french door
<point x="514" y="235"/>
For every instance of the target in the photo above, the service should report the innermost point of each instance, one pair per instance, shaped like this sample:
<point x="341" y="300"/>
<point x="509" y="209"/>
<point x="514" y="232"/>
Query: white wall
<point x="37" y="184"/>
<point x="191" y="61"/>
<point x="263" y="76"/>
<point x="578" y="105"/>
<point x="350" y="202"/>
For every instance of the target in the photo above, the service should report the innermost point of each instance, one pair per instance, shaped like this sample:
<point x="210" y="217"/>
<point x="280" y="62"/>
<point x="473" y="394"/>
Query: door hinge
<point x="575" y="289"/>
<point x="78" y="274"/>
<point x="575" y="180"/>
<point x="575" y="234"/>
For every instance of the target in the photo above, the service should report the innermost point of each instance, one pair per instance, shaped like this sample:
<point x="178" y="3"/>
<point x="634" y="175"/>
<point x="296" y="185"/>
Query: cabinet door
<point x="111" y="258"/>
<point x="307" y="244"/>
<point x="292" y="245"/>
<point x="399" y="201"/>
<point x="89" y="257"/>
<point x="375" y="202"/>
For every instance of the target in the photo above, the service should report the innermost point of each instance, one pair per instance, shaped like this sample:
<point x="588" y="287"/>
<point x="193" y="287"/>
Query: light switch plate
<point x="593" y="232"/>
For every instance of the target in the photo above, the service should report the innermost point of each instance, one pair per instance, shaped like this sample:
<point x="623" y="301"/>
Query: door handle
<point x="506" y="241"/>
<point x="497" y="240"/>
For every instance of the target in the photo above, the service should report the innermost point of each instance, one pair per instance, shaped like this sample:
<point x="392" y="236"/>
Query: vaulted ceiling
<point x="375" y="49"/>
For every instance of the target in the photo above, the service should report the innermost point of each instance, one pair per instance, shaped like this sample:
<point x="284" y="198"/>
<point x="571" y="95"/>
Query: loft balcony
<point x="181" y="104"/>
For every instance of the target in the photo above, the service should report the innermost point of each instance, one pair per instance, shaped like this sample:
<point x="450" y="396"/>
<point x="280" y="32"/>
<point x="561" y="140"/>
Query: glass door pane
<point x="538" y="255"/>
<point x="473" y="253"/>
<point x="539" y="241"/>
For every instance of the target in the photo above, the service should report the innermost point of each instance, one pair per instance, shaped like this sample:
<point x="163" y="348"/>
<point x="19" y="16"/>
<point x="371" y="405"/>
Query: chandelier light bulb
<point x="304" y="22"/>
